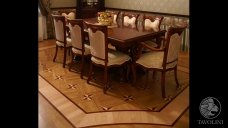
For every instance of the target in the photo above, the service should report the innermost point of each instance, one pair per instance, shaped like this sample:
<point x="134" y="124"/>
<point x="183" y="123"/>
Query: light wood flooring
<point x="50" y="117"/>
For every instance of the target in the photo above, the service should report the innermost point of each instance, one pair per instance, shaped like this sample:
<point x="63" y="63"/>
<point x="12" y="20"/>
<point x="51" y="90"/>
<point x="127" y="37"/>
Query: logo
<point x="210" y="107"/>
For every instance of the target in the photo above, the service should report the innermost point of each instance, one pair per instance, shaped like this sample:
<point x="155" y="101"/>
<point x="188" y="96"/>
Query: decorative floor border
<point x="75" y="116"/>
<point x="178" y="93"/>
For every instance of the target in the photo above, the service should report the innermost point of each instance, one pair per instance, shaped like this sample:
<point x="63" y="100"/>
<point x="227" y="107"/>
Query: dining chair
<point x="62" y="40"/>
<point x="79" y="47"/>
<point x="152" y="23"/>
<point x="101" y="55"/>
<point x="70" y="15"/>
<point x="115" y="16"/>
<point x="130" y="19"/>
<point x="162" y="59"/>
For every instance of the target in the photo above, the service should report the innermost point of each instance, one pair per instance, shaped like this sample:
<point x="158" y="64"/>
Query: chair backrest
<point x="98" y="41"/>
<point x="77" y="33"/>
<point x="129" y="19"/>
<point x="152" y="22"/>
<point x="69" y="16"/>
<point x="115" y="15"/>
<point x="60" y="28"/>
<point x="172" y="45"/>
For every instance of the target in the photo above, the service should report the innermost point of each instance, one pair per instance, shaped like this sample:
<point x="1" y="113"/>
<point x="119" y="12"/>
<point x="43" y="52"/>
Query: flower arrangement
<point x="105" y="18"/>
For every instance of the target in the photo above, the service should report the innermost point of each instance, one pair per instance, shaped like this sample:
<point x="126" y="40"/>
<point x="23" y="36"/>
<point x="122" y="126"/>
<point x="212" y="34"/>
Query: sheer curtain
<point x="42" y="27"/>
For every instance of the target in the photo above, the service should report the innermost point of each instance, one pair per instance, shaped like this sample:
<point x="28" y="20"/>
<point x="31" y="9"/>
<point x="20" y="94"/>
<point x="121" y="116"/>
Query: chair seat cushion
<point x="114" y="58"/>
<point x="151" y="60"/>
<point x="87" y="50"/>
<point x="62" y="44"/>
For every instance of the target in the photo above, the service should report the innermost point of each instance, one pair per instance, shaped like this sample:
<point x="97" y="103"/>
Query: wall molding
<point x="63" y="7"/>
<point x="159" y="13"/>
<point x="180" y="7"/>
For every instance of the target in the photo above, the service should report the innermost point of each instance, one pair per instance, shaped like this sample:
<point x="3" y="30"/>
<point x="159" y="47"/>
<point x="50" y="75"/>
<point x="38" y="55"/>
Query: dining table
<point x="127" y="38"/>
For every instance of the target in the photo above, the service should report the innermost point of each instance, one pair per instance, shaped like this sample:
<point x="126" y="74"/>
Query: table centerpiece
<point x="105" y="18"/>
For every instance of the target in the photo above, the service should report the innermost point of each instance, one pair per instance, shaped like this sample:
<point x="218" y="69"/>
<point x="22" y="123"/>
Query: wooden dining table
<point x="127" y="38"/>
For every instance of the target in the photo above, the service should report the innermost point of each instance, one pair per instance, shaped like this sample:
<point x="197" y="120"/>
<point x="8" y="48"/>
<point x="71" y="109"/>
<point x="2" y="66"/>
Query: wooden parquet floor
<point x="50" y="97"/>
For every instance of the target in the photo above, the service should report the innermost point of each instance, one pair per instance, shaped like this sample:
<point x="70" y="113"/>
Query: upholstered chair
<point x="130" y="20"/>
<point x="115" y="17"/>
<point x="101" y="55"/>
<point x="152" y="23"/>
<point x="170" y="21"/>
<point x="162" y="59"/>
<point x="69" y="16"/>
<point x="61" y="39"/>
<point x="79" y="47"/>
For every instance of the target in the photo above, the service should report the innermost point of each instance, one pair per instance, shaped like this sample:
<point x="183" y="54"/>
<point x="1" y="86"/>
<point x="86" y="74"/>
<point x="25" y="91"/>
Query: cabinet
<point x="89" y="8"/>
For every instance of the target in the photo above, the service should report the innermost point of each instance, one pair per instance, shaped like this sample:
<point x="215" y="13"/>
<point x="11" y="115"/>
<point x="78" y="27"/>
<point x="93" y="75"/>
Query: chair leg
<point x="106" y="80"/>
<point x="175" y="73"/>
<point x="56" y="51"/>
<point x="69" y="50"/>
<point x="71" y="63"/>
<point x="122" y="78"/>
<point x="163" y="84"/>
<point x="134" y="74"/>
<point x="128" y="72"/>
<point x="154" y="75"/>
<point x="82" y="67"/>
<point x="90" y="72"/>
<point x="147" y="77"/>
<point x="64" y="57"/>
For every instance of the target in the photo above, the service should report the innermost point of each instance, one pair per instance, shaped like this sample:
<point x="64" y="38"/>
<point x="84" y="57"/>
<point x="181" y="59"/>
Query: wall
<point x="164" y="6"/>
<point x="63" y="3"/>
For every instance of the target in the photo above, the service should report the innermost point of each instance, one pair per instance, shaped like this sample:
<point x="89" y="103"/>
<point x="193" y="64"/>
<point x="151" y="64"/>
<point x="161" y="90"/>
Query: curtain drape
<point x="45" y="9"/>
<point x="42" y="26"/>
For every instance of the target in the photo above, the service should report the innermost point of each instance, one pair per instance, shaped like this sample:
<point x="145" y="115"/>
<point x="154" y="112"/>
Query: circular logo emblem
<point x="210" y="107"/>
